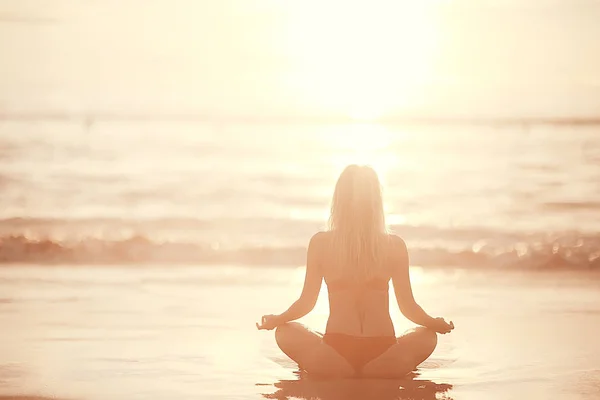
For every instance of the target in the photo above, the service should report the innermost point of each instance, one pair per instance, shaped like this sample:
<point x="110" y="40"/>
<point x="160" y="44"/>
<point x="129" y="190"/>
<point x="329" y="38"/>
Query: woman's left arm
<point x="312" y="284"/>
<point x="313" y="280"/>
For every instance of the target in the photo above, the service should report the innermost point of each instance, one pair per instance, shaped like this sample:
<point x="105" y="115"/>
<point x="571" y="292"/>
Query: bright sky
<point x="292" y="57"/>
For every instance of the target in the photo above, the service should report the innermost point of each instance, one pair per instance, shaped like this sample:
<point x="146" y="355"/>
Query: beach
<point x="126" y="278"/>
<point x="163" y="332"/>
<point x="164" y="165"/>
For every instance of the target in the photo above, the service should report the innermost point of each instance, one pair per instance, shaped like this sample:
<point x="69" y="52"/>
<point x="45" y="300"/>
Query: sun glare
<point x="361" y="143"/>
<point x="362" y="60"/>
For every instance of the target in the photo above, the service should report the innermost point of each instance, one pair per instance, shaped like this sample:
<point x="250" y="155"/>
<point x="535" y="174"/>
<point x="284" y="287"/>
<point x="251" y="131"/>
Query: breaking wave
<point x="572" y="251"/>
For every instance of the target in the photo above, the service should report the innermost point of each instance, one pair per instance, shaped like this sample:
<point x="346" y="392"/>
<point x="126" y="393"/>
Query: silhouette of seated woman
<point x="357" y="257"/>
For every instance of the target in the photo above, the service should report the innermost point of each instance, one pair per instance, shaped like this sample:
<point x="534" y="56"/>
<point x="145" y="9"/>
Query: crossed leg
<point x="308" y="350"/>
<point x="314" y="356"/>
<point x="410" y="350"/>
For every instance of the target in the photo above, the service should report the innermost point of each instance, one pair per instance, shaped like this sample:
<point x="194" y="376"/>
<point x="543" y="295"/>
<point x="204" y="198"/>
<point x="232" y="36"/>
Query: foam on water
<point x="135" y="192"/>
<point x="566" y="250"/>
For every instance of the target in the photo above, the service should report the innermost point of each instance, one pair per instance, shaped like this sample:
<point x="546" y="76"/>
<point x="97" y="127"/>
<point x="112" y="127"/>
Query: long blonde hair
<point x="357" y="223"/>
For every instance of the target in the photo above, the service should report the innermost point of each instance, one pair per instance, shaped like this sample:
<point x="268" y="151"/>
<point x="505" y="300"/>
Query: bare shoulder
<point x="316" y="247"/>
<point x="397" y="246"/>
<point x="319" y="238"/>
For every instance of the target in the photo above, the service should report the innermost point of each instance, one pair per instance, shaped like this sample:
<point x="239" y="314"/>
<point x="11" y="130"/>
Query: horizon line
<point x="92" y="117"/>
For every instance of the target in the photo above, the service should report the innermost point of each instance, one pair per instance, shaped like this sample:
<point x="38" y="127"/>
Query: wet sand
<point x="181" y="332"/>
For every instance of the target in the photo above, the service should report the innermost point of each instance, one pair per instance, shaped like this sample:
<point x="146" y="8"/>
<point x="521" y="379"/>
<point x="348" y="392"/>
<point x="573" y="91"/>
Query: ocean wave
<point x="564" y="252"/>
<point x="89" y="226"/>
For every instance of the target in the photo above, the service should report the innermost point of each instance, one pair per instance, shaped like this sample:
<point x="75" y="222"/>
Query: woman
<point x="357" y="258"/>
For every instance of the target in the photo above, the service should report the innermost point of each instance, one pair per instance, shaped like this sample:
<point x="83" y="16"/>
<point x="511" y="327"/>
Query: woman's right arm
<point x="403" y="289"/>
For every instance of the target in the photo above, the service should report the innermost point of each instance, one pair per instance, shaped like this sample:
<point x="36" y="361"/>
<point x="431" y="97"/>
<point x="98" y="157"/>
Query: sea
<point x="523" y="196"/>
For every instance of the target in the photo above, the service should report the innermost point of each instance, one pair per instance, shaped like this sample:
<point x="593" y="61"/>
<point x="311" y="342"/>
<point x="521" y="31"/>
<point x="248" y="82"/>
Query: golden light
<point x="361" y="143"/>
<point x="360" y="138"/>
<point x="364" y="59"/>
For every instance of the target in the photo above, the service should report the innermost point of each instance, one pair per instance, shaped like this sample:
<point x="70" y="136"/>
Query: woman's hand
<point x="441" y="326"/>
<point x="269" y="322"/>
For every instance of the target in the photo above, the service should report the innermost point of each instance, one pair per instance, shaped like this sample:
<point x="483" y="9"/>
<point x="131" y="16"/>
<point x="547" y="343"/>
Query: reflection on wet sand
<point x="360" y="389"/>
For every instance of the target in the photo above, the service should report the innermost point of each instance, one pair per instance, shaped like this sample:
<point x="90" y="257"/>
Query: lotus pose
<point x="357" y="257"/>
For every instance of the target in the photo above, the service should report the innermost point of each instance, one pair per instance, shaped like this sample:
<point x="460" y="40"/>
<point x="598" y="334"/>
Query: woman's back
<point x="358" y="306"/>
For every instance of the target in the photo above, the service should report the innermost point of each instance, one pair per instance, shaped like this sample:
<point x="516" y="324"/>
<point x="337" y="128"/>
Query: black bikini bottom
<point x="359" y="350"/>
